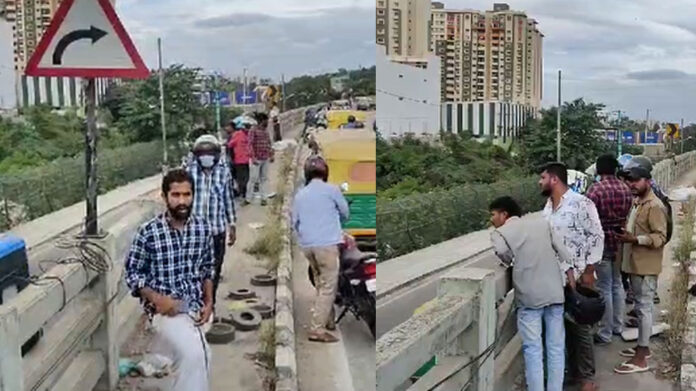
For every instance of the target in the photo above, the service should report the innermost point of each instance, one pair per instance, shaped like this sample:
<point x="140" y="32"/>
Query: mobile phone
<point x="618" y="230"/>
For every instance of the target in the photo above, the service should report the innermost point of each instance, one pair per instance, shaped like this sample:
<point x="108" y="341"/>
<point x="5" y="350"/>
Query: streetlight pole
<point x="558" y="120"/>
<point x="282" y="92"/>
<point x="619" y="132"/>
<point x="161" y="98"/>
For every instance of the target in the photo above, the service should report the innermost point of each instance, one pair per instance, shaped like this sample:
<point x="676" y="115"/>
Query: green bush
<point x="61" y="183"/>
<point x="416" y="221"/>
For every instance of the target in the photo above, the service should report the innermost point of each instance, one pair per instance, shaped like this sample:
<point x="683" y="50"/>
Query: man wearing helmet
<point x="317" y="213"/>
<point x="352" y="123"/>
<point x="213" y="200"/>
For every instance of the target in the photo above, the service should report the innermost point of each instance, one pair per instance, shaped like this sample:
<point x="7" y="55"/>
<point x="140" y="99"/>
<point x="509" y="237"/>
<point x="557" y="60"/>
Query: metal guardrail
<point x="460" y="327"/>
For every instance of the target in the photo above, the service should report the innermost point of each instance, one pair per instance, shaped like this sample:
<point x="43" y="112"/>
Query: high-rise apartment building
<point x="488" y="56"/>
<point x="403" y="27"/>
<point x="30" y="19"/>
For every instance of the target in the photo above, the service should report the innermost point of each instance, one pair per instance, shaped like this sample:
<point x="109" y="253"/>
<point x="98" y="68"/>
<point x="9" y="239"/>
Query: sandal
<point x="626" y="368"/>
<point x="630" y="352"/>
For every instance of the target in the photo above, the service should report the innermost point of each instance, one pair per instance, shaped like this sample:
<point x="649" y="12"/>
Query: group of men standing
<point x="175" y="262"/>
<point x="582" y="242"/>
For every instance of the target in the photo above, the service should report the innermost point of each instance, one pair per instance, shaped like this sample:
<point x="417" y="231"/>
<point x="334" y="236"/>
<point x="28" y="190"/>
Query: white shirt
<point x="576" y="221"/>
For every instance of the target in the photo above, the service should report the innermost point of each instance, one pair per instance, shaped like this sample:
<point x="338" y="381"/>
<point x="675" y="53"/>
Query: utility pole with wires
<point x="282" y="93"/>
<point x="647" y="125"/>
<point x="558" y="121"/>
<point x="165" y="161"/>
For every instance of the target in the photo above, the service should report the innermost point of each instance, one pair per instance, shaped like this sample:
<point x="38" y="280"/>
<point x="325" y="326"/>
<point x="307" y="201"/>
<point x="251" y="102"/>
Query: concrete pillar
<point x="105" y="337"/>
<point x="11" y="374"/>
<point x="478" y="338"/>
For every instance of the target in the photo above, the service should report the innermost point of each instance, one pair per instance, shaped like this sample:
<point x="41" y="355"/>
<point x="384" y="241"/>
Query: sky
<point x="269" y="37"/>
<point x="631" y="55"/>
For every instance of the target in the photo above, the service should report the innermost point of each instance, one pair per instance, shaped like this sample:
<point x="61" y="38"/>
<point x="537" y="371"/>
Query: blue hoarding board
<point x="628" y="137"/>
<point x="224" y="96"/>
<point x="249" y="98"/>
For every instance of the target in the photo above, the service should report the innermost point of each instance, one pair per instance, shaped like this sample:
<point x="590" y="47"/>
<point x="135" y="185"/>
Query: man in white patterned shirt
<point x="574" y="217"/>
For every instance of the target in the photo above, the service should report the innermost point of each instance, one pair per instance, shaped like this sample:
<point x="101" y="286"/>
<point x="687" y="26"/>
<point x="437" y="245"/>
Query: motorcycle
<point x="357" y="283"/>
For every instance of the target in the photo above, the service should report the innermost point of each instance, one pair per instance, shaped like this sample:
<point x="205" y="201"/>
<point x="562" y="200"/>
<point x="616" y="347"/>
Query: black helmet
<point x="316" y="167"/>
<point x="584" y="305"/>
<point x="351" y="118"/>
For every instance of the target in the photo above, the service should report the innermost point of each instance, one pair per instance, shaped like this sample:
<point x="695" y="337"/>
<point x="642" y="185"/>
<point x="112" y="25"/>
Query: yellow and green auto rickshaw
<point x="351" y="156"/>
<point x="337" y="118"/>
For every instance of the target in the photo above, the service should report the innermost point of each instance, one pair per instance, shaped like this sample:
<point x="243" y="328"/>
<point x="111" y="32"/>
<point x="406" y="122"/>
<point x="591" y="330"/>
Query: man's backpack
<point x="668" y="209"/>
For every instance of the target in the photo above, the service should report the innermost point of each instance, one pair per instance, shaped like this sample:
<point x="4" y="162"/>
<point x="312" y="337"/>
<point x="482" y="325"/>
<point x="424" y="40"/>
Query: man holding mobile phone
<point x="613" y="200"/>
<point x="644" y="239"/>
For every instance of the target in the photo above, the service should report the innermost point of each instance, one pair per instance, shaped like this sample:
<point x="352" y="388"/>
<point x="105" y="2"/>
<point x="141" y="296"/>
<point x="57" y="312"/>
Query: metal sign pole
<point x="91" y="227"/>
<point x="165" y="159"/>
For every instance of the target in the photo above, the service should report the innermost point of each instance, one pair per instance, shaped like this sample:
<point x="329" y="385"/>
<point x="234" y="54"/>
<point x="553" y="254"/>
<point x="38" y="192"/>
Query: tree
<point x="580" y="142"/>
<point x="135" y="105"/>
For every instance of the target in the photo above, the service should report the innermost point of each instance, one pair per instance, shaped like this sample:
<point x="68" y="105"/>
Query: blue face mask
<point x="207" y="161"/>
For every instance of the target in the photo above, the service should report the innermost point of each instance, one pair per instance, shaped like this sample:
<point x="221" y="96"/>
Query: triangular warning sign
<point x="86" y="39"/>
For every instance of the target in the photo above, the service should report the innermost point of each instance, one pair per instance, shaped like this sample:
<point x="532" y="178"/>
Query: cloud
<point x="658" y="74"/>
<point x="232" y="20"/>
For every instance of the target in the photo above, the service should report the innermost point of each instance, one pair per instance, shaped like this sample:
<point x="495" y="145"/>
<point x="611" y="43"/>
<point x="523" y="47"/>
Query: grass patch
<point x="269" y="242"/>
<point x="677" y="316"/>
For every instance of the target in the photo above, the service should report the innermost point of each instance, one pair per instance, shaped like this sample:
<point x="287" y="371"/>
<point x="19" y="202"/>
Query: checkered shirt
<point x="212" y="195"/>
<point x="260" y="147"/>
<point x="613" y="200"/>
<point x="171" y="262"/>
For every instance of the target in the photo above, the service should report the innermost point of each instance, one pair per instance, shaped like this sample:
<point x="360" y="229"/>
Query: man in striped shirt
<point x="213" y="198"/>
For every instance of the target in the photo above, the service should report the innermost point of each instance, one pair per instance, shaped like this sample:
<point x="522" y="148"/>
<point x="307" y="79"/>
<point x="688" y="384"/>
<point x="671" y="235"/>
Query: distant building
<point x="29" y="20"/>
<point x="408" y="95"/>
<point x="500" y="122"/>
<point x="403" y="27"/>
<point x="494" y="55"/>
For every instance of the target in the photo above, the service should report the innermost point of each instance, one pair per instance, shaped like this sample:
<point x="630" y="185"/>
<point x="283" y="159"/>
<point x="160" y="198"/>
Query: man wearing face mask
<point x="213" y="200"/>
<point x="170" y="267"/>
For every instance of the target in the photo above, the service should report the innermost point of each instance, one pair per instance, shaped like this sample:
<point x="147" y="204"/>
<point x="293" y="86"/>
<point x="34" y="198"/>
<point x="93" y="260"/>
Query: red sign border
<point x="139" y="72"/>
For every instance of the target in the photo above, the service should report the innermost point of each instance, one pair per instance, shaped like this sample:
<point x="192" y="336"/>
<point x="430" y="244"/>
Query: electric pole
<point x="161" y="98"/>
<point x="558" y="121"/>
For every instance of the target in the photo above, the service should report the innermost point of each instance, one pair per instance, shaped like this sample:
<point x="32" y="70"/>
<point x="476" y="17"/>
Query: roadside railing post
<point x="11" y="374"/>
<point x="105" y="337"/>
<point x="479" y="339"/>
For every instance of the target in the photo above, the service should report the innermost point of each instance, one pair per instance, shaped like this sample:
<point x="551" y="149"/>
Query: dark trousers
<point x="580" y="348"/>
<point x="241" y="175"/>
<point x="219" y="247"/>
<point x="276" y="132"/>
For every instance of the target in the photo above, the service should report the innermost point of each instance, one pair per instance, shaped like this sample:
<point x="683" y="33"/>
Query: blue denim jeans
<point x="644" y="288"/>
<point x="610" y="285"/>
<point x="529" y="325"/>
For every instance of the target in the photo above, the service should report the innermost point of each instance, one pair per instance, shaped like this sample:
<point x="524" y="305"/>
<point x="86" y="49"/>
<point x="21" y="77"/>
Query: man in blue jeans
<point x="536" y="255"/>
<point x="613" y="200"/>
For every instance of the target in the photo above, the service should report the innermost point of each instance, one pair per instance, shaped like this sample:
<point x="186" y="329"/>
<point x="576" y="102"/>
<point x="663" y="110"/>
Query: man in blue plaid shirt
<point x="170" y="267"/>
<point x="213" y="199"/>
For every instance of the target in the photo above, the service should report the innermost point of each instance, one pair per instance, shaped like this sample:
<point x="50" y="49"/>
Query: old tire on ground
<point x="265" y="310"/>
<point x="241" y="294"/>
<point x="246" y="320"/>
<point x="263" y="280"/>
<point x="220" y="333"/>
